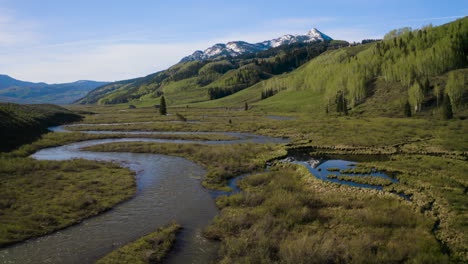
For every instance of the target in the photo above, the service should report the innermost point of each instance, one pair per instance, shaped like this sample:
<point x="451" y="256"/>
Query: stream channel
<point x="168" y="189"/>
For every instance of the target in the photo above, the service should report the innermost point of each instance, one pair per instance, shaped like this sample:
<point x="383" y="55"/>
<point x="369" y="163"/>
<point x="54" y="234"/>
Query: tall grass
<point x="38" y="197"/>
<point x="151" y="248"/>
<point x="286" y="216"/>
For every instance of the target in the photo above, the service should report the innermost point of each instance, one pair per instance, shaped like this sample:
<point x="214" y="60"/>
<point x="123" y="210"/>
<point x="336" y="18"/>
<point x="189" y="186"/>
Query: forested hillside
<point x="410" y="72"/>
<point x="423" y="68"/>
<point x="20" y="124"/>
<point x="196" y="81"/>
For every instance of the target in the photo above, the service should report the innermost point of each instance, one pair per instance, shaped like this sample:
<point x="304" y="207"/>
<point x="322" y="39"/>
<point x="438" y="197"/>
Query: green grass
<point x="287" y="216"/>
<point x="430" y="140"/>
<point x="426" y="155"/>
<point x="59" y="139"/>
<point x="359" y="170"/>
<point x="362" y="179"/>
<point x="438" y="186"/>
<point x="151" y="248"/>
<point x="415" y="135"/>
<point x="39" y="197"/>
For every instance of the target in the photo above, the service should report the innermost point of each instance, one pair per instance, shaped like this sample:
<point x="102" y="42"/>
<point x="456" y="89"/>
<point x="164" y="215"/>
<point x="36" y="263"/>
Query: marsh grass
<point x="58" y="139"/>
<point x="287" y="216"/>
<point x="438" y="186"/>
<point x="38" y="197"/>
<point x="152" y="248"/>
<point x="359" y="170"/>
<point x="371" y="180"/>
<point x="381" y="134"/>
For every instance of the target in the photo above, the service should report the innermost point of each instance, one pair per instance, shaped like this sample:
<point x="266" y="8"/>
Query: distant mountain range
<point x="236" y="48"/>
<point x="16" y="91"/>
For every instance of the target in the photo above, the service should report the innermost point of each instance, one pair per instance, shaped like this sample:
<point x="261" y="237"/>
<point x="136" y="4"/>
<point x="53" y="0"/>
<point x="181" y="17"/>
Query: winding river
<point x="168" y="189"/>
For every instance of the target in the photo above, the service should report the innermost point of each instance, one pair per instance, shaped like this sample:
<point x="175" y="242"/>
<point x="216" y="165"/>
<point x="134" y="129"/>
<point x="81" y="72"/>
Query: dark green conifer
<point x="162" y="106"/>
<point x="447" y="112"/>
<point x="407" y="109"/>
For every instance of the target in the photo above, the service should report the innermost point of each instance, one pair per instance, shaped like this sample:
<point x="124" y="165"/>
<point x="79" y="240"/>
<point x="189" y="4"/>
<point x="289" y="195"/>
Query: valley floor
<point x="283" y="215"/>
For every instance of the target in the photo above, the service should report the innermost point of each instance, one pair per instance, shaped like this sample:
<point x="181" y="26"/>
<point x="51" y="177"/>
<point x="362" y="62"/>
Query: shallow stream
<point x="168" y="189"/>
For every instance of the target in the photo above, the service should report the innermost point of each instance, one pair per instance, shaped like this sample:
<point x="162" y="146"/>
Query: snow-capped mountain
<point x="235" y="48"/>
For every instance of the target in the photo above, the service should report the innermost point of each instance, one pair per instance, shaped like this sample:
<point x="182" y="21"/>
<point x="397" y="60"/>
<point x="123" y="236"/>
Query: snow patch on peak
<point x="235" y="48"/>
<point x="315" y="33"/>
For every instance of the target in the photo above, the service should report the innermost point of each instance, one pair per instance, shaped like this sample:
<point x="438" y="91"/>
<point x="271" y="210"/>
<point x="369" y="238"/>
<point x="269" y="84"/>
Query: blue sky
<point x="63" y="41"/>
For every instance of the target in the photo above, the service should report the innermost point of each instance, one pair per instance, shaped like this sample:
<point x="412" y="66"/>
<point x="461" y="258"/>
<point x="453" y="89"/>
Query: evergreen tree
<point x="447" y="112"/>
<point x="438" y="92"/>
<point x="345" y="106"/>
<point x="246" y="107"/>
<point x="407" y="109"/>
<point x="162" y="106"/>
<point x="339" y="102"/>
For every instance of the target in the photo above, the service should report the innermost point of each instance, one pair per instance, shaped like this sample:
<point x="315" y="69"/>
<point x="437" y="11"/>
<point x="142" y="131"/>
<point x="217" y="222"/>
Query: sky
<point x="58" y="41"/>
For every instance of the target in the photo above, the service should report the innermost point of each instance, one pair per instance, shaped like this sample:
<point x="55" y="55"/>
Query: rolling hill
<point x="20" y="124"/>
<point x="16" y="91"/>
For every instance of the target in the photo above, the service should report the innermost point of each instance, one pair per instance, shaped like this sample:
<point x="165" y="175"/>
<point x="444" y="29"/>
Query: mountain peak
<point x="316" y="33"/>
<point x="235" y="48"/>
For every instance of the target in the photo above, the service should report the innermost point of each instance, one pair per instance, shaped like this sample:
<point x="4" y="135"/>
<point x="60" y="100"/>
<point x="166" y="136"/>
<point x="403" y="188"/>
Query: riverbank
<point x="152" y="248"/>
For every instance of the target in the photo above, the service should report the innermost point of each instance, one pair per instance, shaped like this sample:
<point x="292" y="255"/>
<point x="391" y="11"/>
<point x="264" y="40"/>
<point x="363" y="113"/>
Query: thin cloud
<point x="435" y="18"/>
<point x="14" y="31"/>
<point x="104" y="62"/>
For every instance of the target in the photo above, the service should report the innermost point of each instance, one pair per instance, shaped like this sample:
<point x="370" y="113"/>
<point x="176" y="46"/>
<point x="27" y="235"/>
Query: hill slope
<point x="422" y="67"/>
<point x="20" y="124"/>
<point x="16" y="91"/>
<point x="196" y="81"/>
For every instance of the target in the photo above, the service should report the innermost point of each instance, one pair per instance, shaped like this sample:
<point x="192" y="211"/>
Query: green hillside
<point x="21" y="124"/>
<point x="197" y="81"/>
<point x="422" y="67"/>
